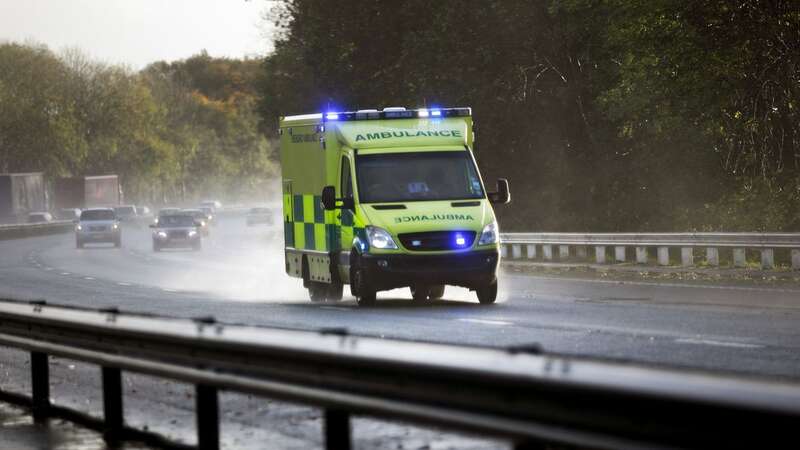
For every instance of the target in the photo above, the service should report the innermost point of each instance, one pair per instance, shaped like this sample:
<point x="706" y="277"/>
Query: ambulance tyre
<point x="436" y="292"/>
<point x="317" y="291"/>
<point x="487" y="294"/>
<point x="364" y="293"/>
<point x="334" y="292"/>
<point x="420" y="293"/>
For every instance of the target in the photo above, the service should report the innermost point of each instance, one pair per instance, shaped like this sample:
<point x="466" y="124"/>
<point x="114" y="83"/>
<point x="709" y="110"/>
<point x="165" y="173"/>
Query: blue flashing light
<point x="436" y="113"/>
<point x="332" y="116"/>
<point x="460" y="240"/>
<point x="422" y="113"/>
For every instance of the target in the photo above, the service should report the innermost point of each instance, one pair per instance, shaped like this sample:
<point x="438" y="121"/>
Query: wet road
<point x="238" y="277"/>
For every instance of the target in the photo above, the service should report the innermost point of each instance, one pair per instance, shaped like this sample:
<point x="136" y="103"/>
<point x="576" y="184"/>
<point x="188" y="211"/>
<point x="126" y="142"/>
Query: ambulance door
<point x="344" y="216"/>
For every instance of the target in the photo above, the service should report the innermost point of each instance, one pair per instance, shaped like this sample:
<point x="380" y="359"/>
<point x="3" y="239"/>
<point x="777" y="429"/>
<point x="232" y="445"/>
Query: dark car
<point x="176" y="231"/>
<point x="201" y="218"/>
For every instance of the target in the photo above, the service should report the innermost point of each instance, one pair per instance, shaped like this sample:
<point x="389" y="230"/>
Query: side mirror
<point x="329" y="198"/>
<point x="503" y="195"/>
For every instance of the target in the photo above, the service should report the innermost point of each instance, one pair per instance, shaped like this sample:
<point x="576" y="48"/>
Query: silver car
<point x="98" y="225"/>
<point x="180" y="230"/>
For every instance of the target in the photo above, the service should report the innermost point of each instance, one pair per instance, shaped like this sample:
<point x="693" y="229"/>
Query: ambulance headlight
<point x="380" y="238"/>
<point x="489" y="235"/>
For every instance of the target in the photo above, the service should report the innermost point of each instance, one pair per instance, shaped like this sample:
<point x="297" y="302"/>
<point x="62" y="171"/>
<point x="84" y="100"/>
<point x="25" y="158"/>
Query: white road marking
<point x="88" y="278"/>
<point x="48" y="268"/>
<point x="169" y="290"/>
<point x="716" y="343"/>
<point x="335" y="308"/>
<point x="486" y="321"/>
<point x="122" y="283"/>
<point x="65" y="273"/>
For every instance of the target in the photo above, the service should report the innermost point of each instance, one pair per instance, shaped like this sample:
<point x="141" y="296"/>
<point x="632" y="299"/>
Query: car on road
<point x="176" y="231"/>
<point x="98" y="225"/>
<point x="258" y="215"/>
<point x="69" y="214"/>
<point x="126" y="213"/>
<point x="212" y="204"/>
<point x="201" y="218"/>
<point x="40" y="217"/>
<point x="210" y="215"/>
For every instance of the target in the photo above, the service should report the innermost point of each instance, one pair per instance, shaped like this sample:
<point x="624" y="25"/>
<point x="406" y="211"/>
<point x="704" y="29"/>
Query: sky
<point x="138" y="32"/>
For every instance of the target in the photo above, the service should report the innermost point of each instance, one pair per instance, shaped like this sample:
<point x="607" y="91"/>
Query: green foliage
<point x="604" y="114"/>
<point x="174" y="132"/>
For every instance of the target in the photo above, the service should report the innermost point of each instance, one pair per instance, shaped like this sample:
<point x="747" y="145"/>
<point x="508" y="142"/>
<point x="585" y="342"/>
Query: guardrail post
<point x="531" y="251"/>
<point x="663" y="256"/>
<point x="516" y="251"/>
<point x="687" y="256"/>
<point x="503" y="250"/>
<point x="40" y="385"/>
<point x="767" y="258"/>
<point x="600" y="254"/>
<point x="563" y="251"/>
<point x="337" y="430"/>
<point x="207" y="417"/>
<point x="580" y="251"/>
<point x="712" y="256"/>
<point x="619" y="253"/>
<point x="796" y="258"/>
<point x="739" y="258"/>
<point x="547" y="252"/>
<point x="641" y="255"/>
<point x="112" y="404"/>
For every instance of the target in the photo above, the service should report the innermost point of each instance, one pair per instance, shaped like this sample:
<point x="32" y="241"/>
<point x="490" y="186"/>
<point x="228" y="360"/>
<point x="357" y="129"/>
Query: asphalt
<point x="238" y="277"/>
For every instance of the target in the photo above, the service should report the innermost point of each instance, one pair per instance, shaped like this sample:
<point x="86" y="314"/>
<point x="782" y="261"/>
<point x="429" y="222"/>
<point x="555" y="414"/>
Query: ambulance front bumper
<point x="467" y="269"/>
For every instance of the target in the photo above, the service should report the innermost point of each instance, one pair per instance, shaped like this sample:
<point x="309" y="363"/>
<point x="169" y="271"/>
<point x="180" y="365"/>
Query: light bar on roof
<point x="421" y="113"/>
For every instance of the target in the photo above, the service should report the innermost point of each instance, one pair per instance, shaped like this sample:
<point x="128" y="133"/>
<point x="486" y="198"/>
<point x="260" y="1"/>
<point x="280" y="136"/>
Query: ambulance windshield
<point x="401" y="177"/>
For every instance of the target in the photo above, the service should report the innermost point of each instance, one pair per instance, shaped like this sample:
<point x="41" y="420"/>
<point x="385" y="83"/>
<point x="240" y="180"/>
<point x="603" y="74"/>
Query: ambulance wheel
<point x="317" y="291"/>
<point x="436" y="292"/>
<point x="420" y="293"/>
<point x="487" y="294"/>
<point x="360" y="288"/>
<point x="334" y="292"/>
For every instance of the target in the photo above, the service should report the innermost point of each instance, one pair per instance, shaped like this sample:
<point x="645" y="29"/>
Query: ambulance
<point x="386" y="199"/>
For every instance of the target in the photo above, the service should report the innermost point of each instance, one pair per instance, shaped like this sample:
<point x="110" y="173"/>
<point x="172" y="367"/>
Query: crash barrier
<point x="517" y="393"/>
<point x="16" y="231"/>
<point x="542" y="246"/>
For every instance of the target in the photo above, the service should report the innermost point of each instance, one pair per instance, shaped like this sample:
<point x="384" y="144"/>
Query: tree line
<point x="174" y="132"/>
<point x="606" y="115"/>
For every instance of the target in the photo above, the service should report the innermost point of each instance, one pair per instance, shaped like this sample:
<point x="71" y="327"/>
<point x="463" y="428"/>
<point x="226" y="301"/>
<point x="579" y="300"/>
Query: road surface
<point x="238" y="278"/>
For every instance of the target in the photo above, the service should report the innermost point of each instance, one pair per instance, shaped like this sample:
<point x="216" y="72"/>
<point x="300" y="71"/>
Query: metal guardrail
<point x="517" y="393"/>
<point x="16" y="231"/>
<point x="739" y="243"/>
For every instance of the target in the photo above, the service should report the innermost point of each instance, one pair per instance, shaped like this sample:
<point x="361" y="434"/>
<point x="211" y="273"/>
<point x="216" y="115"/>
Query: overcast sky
<point x="138" y="32"/>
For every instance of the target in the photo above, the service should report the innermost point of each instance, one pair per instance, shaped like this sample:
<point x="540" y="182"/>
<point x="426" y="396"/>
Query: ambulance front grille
<point x="437" y="240"/>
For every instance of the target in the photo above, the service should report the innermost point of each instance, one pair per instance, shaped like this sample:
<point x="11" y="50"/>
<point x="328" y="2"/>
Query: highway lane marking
<point x="716" y="343"/>
<point x="122" y="283"/>
<point x="88" y="278"/>
<point x="169" y="290"/>
<point x="48" y="268"/>
<point x="681" y="285"/>
<point x="486" y="321"/>
<point x="65" y="273"/>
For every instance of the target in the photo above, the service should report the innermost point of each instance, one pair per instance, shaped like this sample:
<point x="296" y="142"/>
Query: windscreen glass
<point x="98" y="214"/>
<point x="175" y="221"/>
<point x="399" y="177"/>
